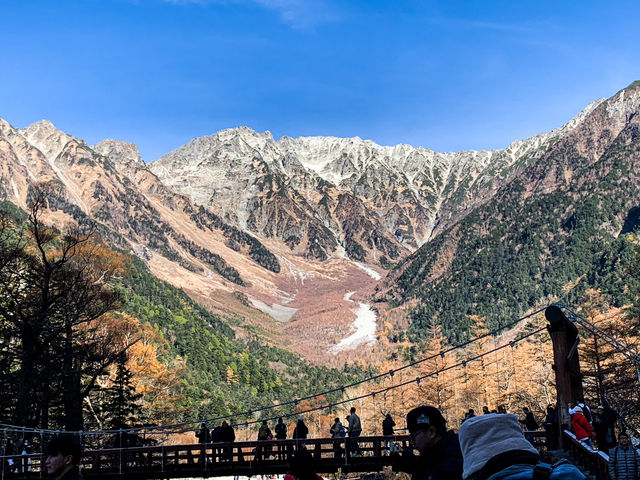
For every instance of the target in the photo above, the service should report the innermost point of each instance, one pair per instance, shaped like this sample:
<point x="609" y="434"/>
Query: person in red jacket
<point x="582" y="427"/>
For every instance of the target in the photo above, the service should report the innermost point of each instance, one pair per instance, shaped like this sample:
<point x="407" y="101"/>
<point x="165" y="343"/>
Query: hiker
<point x="624" y="461"/>
<point x="493" y="446"/>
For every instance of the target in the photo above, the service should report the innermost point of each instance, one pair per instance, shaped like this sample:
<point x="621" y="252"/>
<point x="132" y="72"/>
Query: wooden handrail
<point x="594" y="461"/>
<point x="217" y="459"/>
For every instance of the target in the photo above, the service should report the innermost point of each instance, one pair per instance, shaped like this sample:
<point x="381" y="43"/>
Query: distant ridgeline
<point x="560" y="225"/>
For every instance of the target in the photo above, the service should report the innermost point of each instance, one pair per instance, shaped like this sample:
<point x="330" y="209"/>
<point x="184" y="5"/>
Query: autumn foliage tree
<point x="54" y="288"/>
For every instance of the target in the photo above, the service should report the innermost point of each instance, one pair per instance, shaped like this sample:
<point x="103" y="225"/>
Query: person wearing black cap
<point x="440" y="455"/>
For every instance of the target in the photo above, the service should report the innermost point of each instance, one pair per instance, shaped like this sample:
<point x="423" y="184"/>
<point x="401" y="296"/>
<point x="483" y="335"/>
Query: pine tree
<point x="122" y="404"/>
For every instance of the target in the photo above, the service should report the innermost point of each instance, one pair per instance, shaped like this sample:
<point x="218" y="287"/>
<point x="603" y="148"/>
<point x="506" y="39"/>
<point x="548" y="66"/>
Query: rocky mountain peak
<point x="46" y="137"/>
<point x="119" y="152"/>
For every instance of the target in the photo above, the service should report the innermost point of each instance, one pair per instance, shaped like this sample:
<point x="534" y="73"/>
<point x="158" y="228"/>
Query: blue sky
<point x="447" y="75"/>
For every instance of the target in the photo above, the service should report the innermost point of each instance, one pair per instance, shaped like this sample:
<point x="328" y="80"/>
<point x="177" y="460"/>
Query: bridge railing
<point x="222" y="458"/>
<point x="237" y="458"/>
<point x="596" y="462"/>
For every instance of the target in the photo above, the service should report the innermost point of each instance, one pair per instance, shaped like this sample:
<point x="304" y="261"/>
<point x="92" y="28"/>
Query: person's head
<point x="302" y="465"/>
<point x="490" y="443"/>
<point x="225" y="424"/>
<point x="525" y="409"/>
<point x="485" y="409"/>
<point x="336" y="420"/>
<point x="471" y="411"/>
<point x="279" y="419"/>
<point x="300" y="420"/>
<point x="264" y="423"/>
<point x="426" y="427"/>
<point x="623" y="439"/>
<point x="62" y="455"/>
<point x="353" y="410"/>
<point x="388" y="416"/>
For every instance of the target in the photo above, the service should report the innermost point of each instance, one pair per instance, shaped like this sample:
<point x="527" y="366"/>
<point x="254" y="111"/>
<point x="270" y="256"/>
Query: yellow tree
<point x="609" y="375"/>
<point x="436" y="388"/>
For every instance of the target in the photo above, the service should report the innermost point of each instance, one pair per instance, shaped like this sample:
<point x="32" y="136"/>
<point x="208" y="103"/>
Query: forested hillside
<point x="559" y="227"/>
<point x="223" y="374"/>
<point x="90" y="338"/>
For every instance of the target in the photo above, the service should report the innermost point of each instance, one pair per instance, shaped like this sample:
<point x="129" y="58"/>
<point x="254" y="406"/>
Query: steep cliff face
<point x="109" y="186"/>
<point x="555" y="219"/>
<point x="324" y="195"/>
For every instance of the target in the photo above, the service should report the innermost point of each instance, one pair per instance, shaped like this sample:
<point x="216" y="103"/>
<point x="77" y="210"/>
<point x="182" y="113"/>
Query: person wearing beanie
<point x="440" y="457"/>
<point x="582" y="427"/>
<point x="493" y="447"/>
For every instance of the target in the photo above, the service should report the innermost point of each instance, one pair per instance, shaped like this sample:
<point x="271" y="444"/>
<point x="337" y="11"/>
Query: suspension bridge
<point x="273" y="457"/>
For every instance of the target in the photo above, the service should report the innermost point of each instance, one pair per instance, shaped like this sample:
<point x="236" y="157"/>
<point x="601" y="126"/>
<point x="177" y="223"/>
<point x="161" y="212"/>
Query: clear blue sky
<point x="447" y="75"/>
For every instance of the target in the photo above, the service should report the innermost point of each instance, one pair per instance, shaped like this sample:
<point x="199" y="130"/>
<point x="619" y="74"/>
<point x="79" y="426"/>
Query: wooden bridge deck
<point x="215" y="460"/>
<point x="220" y="459"/>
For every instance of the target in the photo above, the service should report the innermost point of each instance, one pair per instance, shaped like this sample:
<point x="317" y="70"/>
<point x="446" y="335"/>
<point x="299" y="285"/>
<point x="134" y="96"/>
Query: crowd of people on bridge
<point x="492" y="446"/>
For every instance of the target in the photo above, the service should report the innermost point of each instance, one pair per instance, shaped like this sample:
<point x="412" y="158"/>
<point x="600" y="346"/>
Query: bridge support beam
<point x="566" y="364"/>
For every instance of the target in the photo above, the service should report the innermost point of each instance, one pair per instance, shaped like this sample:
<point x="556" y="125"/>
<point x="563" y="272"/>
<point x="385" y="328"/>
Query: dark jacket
<point x="281" y="431"/>
<point x="301" y="430"/>
<point x="387" y="425"/>
<point x="264" y="433"/>
<point x="529" y="422"/>
<point x="72" y="474"/>
<point x="227" y="434"/>
<point x="624" y="463"/>
<point x="442" y="462"/>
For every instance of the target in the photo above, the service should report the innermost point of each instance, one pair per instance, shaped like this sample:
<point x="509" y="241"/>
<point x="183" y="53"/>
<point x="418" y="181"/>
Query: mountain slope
<point x="320" y="195"/>
<point x="554" y="222"/>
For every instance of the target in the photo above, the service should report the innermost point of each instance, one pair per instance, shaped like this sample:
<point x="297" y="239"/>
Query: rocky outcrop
<point x="320" y="195"/>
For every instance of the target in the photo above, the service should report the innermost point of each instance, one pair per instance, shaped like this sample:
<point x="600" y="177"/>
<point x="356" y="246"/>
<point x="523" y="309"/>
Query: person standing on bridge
<point x="337" y="432"/>
<point x="387" y="431"/>
<point x="529" y="423"/>
<point x="264" y="435"/>
<point x="582" y="427"/>
<point x="203" y="434"/>
<point x="62" y="458"/>
<point x="281" y="434"/>
<point x="355" y="429"/>
<point x="624" y="461"/>
<point x="301" y="431"/>
<point x="228" y="436"/>
<point x="440" y="457"/>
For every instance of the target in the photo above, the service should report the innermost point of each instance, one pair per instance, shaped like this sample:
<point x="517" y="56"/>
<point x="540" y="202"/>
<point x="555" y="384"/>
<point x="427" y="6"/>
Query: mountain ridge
<point x="277" y="222"/>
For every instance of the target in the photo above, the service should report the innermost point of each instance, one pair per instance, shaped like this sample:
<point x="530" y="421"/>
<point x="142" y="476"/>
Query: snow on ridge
<point x="370" y="271"/>
<point x="279" y="312"/>
<point x="365" y="330"/>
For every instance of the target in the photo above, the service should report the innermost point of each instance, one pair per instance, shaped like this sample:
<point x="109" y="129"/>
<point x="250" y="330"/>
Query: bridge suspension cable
<point x="587" y="325"/>
<point x="162" y="429"/>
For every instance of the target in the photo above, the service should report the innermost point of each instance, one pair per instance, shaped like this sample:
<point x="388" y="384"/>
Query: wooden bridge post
<point x="564" y="336"/>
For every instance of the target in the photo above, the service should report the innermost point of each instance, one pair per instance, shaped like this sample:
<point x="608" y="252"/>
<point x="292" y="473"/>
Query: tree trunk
<point x="71" y="385"/>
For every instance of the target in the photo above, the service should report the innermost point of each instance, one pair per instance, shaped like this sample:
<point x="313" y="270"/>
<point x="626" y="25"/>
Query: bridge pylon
<point x="566" y="364"/>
